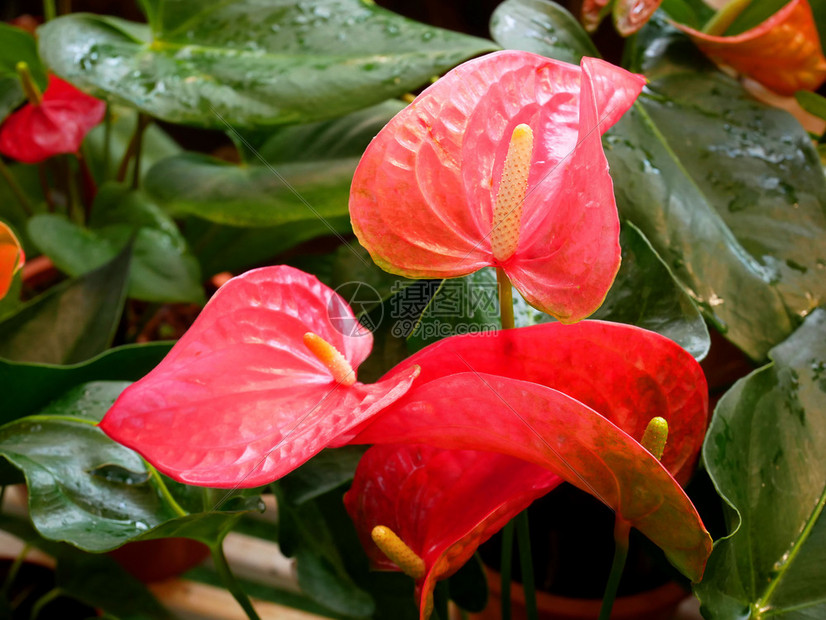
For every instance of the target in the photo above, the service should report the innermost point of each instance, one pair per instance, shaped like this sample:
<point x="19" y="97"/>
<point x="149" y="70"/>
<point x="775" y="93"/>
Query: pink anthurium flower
<point x="783" y="53"/>
<point x="262" y="381"/>
<point x="500" y="162"/>
<point x="12" y="258"/>
<point x="574" y="400"/>
<point x="442" y="504"/>
<point x="54" y="125"/>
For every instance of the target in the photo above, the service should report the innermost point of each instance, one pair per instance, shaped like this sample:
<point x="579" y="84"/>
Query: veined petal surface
<point x="240" y="400"/>
<point x="442" y="503"/>
<point x="423" y="194"/>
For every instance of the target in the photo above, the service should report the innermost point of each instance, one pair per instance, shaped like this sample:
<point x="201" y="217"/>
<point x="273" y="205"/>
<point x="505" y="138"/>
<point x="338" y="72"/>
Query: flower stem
<point x="143" y="121"/>
<point x="44" y="600"/>
<point x="140" y="124"/>
<point x="43" y="176"/>
<point x="229" y="580"/>
<point x="90" y="188"/>
<point x="622" y="529"/>
<point x="725" y="17"/>
<point x="523" y="537"/>
<point x="505" y="569"/>
<point x="505" y="299"/>
<point x="30" y="87"/>
<point x="18" y="192"/>
<point x="49" y="12"/>
<point x="13" y="570"/>
<point x="107" y="140"/>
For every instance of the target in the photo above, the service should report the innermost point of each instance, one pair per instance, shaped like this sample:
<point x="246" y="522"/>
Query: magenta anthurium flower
<point x="55" y="125"/>
<point x="442" y="504"/>
<point x="574" y="400"/>
<point x="262" y="381"/>
<point x="500" y="162"/>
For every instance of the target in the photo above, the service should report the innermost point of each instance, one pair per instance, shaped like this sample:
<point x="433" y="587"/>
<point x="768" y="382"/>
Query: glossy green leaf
<point x="16" y="45"/>
<point x="305" y="534"/>
<point x="300" y="174"/>
<point x="96" y="494"/>
<point x="644" y="294"/>
<point x="766" y="453"/>
<point x="70" y="323"/>
<point x="685" y="160"/>
<point x="248" y="64"/>
<point x="27" y="387"/>
<point x="96" y="579"/>
<point x="324" y="472"/>
<point x="162" y="269"/>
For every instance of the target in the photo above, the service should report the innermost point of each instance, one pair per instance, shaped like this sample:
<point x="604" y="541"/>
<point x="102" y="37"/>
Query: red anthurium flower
<point x="574" y="400"/>
<point x="500" y="163"/>
<point x="442" y="503"/>
<point x="783" y="53"/>
<point x="11" y="258"/>
<point x="57" y="124"/>
<point x="262" y="381"/>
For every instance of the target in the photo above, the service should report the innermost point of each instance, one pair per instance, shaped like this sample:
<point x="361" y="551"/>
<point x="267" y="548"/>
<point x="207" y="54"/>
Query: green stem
<point x="176" y="507"/>
<point x="90" y="188"/>
<point x="725" y="17"/>
<point x="28" y="84"/>
<point x="622" y="529"/>
<point x="12" y="575"/>
<point x="16" y="189"/>
<point x="73" y="202"/>
<point x="43" y="601"/>
<point x="230" y="582"/>
<point x="49" y="12"/>
<point x="140" y="125"/>
<point x="136" y="172"/>
<point x="505" y="569"/>
<point x="505" y="299"/>
<point x="43" y="177"/>
<point x="523" y="537"/>
<point x="107" y="141"/>
<point x="65" y="7"/>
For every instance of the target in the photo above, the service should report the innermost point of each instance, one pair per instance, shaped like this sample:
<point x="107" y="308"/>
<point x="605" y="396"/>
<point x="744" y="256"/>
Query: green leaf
<point x="28" y="387"/>
<point x="12" y="212"/>
<point x="644" y="294"/>
<point x="324" y="472"/>
<point x="70" y="323"/>
<point x="74" y="493"/>
<point x="755" y="13"/>
<point x="812" y="103"/>
<point x="300" y="174"/>
<point x="766" y="453"/>
<point x="97" y="580"/>
<point x="250" y="64"/>
<point x="541" y="27"/>
<point x="16" y="45"/>
<point x="162" y="269"/>
<point x="685" y="160"/>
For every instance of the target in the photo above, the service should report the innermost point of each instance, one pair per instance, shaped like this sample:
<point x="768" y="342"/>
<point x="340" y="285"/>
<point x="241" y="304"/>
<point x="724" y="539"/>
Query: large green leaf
<point x="300" y="173"/>
<point x="766" y="453"/>
<point x="96" y="494"/>
<point x="248" y="63"/>
<point x="685" y="161"/>
<point x="644" y="294"/>
<point x="16" y="45"/>
<point x="70" y="323"/>
<point x="96" y="579"/>
<point x="162" y="269"/>
<point x="28" y="387"/>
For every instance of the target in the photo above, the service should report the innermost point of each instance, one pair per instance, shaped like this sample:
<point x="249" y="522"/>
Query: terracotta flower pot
<point x="657" y="604"/>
